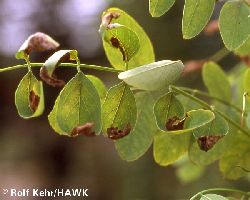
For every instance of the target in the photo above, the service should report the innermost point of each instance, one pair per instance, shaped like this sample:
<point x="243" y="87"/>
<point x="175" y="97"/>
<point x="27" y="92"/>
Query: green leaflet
<point x="123" y="42"/>
<point x="236" y="162"/>
<point x="144" y="55"/>
<point x="243" y="50"/>
<point x="212" y="197"/>
<point x="153" y="76"/>
<point x="216" y="81"/>
<point x="74" y="108"/>
<point x="167" y="107"/>
<point x="234" y="23"/>
<point x="168" y="147"/>
<point x="119" y="109"/>
<point x="53" y="121"/>
<point x="48" y="68"/>
<point x="196" y="15"/>
<point x="217" y="127"/>
<point x="36" y="42"/>
<point x="29" y="97"/>
<point x="159" y="7"/>
<point x="194" y="119"/>
<point x="134" y="145"/>
<point x="99" y="85"/>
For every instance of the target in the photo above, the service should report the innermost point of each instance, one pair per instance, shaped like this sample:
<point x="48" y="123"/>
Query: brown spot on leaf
<point x="107" y="18"/>
<point x="50" y="80"/>
<point x="33" y="100"/>
<point x="175" y="123"/>
<point x="207" y="142"/>
<point x="114" y="133"/>
<point x="40" y="42"/>
<point x="85" y="129"/>
<point x="212" y="27"/>
<point x="116" y="43"/>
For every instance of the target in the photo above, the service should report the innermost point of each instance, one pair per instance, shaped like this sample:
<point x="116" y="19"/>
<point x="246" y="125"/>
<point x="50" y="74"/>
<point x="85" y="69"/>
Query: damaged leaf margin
<point x="47" y="70"/>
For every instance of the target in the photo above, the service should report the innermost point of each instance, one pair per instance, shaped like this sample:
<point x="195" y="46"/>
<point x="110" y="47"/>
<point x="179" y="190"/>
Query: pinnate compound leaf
<point x="212" y="197"/>
<point x="168" y="147"/>
<point x="144" y="55"/>
<point x="122" y="41"/>
<point x="196" y="15"/>
<point x="168" y="108"/>
<point x="36" y="42"/>
<point x="153" y="76"/>
<point x="119" y="112"/>
<point x="216" y="81"/>
<point x="159" y="7"/>
<point x="99" y="85"/>
<point x="234" y="23"/>
<point x="29" y="98"/>
<point x="77" y="110"/>
<point x="134" y="145"/>
<point x="48" y="68"/>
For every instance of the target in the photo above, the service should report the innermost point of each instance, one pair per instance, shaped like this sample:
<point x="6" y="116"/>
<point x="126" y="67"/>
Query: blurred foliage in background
<point x="33" y="156"/>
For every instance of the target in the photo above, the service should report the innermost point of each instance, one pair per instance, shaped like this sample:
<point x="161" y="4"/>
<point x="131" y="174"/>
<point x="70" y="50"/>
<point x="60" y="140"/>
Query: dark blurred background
<point x="32" y="155"/>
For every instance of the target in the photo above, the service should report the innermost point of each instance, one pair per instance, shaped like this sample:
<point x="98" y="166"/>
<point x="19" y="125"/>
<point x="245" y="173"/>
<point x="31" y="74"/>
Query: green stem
<point x="219" y="55"/>
<point x="205" y="94"/>
<point x="96" y="67"/>
<point x="215" y="190"/>
<point x="209" y="107"/>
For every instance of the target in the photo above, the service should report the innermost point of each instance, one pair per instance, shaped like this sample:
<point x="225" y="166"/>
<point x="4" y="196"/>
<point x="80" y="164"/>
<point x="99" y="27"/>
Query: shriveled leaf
<point x="48" y="68"/>
<point x="119" y="111"/>
<point x="216" y="81"/>
<point x="169" y="112"/>
<point x="196" y="15"/>
<point x="153" y="76"/>
<point x="144" y="55"/>
<point x="234" y="23"/>
<point x="159" y="7"/>
<point x="122" y="42"/>
<point x="138" y="142"/>
<point x="77" y="110"/>
<point x="212" y="197"/>
<point x="168" y="147"/>
<point x="36" y="42"/>
<point x="29" y="97"/>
